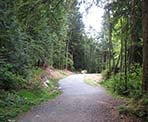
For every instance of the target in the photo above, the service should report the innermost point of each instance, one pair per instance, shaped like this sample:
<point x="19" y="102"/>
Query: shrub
<point x="138" y="104"/>
<point x="10" y="80"/>
<point x="118" y="85"/>
<point x="106" y="74"/>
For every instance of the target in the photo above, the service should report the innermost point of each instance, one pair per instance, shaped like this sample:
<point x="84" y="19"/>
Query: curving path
<point x="78" y="103"/>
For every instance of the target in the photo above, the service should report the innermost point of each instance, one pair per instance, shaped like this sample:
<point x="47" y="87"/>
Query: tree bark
<point x="145" y="46"/>
<point x="125" y="63"/>
<point x="116" y="65"/>
<point x="121" y="50"/>
<point x="134" y="34"/>
<point x="135" y="49"/>
<point x="67" y="51"/>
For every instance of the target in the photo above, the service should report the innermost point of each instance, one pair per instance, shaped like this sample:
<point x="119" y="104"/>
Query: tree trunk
<point x="125" y="63"/>
<point x="134" y="34"/>
<point x="67" y="51"/>
<point x="116" y="69"/>
<point x="145" y="46"/>
<point x="121" y="51"/>
<point x="111" y="58"/>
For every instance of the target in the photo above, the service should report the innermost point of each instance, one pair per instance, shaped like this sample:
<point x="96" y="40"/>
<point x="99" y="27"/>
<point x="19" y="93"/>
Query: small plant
<point x="12" y="104"/>
<point x="123" y="109"/>
<point x="137" y="104"/>
<point x="106" y="74"/>
<point x="10" y="80"/>
<point x="118" y="85"/>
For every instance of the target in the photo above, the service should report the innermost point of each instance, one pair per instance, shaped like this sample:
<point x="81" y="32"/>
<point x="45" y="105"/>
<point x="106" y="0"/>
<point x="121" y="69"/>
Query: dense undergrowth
<point x="118" y="85"/>
<point x="14" y="103"/>
<point x="17" y="100"/>
<point x="136" y="102"/>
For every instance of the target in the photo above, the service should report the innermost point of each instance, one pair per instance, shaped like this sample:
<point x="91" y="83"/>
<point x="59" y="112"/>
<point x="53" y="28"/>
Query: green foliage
<point x="136" y="101"/>
<point x="105" y="74"/>
<point x="90" y="54"/>
<point x="138" y="108"/>
<point x="123" y="109"/>
<point x="34" y="79"/>
<point x="9" y="79"/>
<point x="91" y="82"/>
<point x="14" y="103"/>
<point x="32" y="34"/>
<point x="39" y="33"/>
<point x="117" y="84"/>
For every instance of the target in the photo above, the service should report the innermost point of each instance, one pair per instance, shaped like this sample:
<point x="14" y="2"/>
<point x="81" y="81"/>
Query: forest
<point x="37" y="34"/>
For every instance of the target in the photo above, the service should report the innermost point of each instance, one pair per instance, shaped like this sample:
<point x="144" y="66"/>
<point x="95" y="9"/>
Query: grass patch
<point x="16" y="102"/>
<point x="91" y="82"/>
<point x="62" y="73"/>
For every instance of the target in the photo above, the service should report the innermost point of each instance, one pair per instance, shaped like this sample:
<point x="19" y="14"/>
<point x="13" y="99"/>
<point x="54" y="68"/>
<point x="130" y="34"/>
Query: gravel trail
<point x="78" y="103"/>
